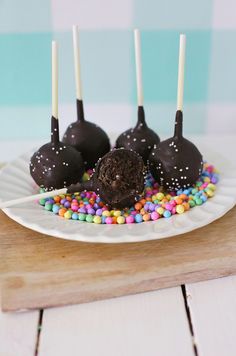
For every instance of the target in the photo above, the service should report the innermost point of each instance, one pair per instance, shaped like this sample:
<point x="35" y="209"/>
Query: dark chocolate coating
<point x="176" y="163"/>
<point x="56" y="165"/>
<point x="87" y="138"/>
<point x="140" y="139"/>
<point x="118" y="179"/>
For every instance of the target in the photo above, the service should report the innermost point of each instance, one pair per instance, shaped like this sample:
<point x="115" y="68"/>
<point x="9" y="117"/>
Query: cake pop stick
<point x="141" y="138"/>
<point x="118" y="179"/>
<point x="54" y="79"/>
<point x="180" y="90"/>
<point x="176" y="163"/>
<point x="77" y="68"/>
<point x="56" y="165"/>
<point x="137" y="46"/>
<point x="9" y="203"/>
<point x="86" y="137"/>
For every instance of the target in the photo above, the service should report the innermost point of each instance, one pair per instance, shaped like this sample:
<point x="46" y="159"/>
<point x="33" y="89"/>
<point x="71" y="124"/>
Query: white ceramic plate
<point x="15" y="181"/>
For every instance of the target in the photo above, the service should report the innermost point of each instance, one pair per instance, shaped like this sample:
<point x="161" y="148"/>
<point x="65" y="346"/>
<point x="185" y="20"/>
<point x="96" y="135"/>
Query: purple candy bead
<point x="99" y="212"/>
<point x="91" y="211"/>
<point x="67" y="204"/>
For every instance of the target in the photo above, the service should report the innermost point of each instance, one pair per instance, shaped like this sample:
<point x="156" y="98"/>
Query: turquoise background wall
<point x="107" y="58"/>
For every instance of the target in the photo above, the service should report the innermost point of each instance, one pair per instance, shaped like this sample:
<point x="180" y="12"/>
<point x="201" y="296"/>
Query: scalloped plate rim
<point x="151" y="235"/>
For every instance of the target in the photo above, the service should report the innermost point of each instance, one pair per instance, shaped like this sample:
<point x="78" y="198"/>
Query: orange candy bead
<point x="183" y="196"/>
<point x="186" y="206"/>
<point x="138" y="206"/>
<point x="57" y="199"/>
<point x="178" y="201"/>
<point x="62" y="212"/>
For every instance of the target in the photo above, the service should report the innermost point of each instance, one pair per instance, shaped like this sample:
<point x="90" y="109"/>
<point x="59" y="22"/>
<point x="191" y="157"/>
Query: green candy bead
<point x="191" y="203"/>
<point x="82" y="217"/>
<point x="198" y="201"/>
<point x="89" y="218"/>
<point x="42" y="201"/>
<point x="48" y="207"/>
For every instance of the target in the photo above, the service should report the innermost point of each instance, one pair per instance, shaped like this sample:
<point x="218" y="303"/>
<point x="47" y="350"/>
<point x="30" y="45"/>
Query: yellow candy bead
<point x="180" y="209"/>
<point x="207" y="180"/>
<point x="160" y="196"/>
<point x="210" y="193"/>
<point x="120" y="220"/>
<point x="97" y="219"/>
<point x="211" y="186"/>
<point x="117" y="213"/>
<point x="106" y="213"/>
<point x="154" y="197"/>
<point x="142" y="211"/>
<point x="168" y="196"/>
<point x="160" y="211"/>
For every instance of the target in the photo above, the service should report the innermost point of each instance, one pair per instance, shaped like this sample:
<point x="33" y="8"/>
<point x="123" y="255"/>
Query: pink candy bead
<point x="109" y="220"/>
<point x="168" y="206"/>
<point x="129" y="219"/>
<point x="173" y="211"/>
<point x="154" y="215"/>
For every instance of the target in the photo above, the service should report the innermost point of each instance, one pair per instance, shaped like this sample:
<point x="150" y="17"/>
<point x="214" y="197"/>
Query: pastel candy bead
<point x="179" y="209"/>
<point x="89" y="218"/>
<point x="97" y="219"/>
<point x="106" y="213"/>
<point x="74" y="216"/>
<point x="167" y="214"/>
<point x="55" y="208"/>
<point x="109" y="220"/>
<point x="146" y="217"/>
<point x="138" y="218"/>
<point x="67" y="215"/>
<point x="120" y="220"/>
<point x="118" y="213"/>
<point x="154" y="215"/>
<point x="160" y="196"/>
<point x="160" y="211"/>
<point x="129" y="219"/>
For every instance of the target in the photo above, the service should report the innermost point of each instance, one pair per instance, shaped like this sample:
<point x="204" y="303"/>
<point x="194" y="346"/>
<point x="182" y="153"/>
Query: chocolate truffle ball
<point x="176" y="163"/>
<point x="118" y="179"/>
<point x="87" y="138"/>
<point x="56" y="165"/>
<point x="140" y="139"/>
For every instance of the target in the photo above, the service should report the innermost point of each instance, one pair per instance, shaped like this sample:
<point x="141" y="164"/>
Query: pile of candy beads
<point x="155" y="204"/>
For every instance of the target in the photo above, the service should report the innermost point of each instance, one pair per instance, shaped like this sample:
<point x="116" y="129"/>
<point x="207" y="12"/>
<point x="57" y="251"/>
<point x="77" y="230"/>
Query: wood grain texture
<point x="41" y="271"/>
<point x="213" y="312"/>
<point x="145" y="324"/>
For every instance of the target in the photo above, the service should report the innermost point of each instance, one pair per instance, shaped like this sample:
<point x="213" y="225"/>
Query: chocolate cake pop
<point x="55" y="164"/>
<point x="177" y="163"/>
<point x="141" y="138"/>
<point x="85" y="136"/>
<point x="118" y="179"/>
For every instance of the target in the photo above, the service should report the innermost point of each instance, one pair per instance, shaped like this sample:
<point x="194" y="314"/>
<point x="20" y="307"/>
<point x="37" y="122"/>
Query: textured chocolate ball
<point x="140" y="139"/>
<point x="176" y="163"/>
<point x="118" y="179"/>
<point x="56" y="165"/>
<point x="87" y="138"/>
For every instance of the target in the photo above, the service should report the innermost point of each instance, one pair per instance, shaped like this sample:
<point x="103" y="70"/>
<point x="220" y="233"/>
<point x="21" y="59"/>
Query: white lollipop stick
<point x="77" y="63"/>
<point x="54" y="79"/>
<point x="138" y="62"/>
<point x="180" y="91"/>
<point x="29" y="198"/>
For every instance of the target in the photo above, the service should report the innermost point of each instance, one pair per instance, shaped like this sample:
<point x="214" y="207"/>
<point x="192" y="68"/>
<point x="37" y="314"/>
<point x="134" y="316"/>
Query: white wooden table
<point x="196" y="319"/>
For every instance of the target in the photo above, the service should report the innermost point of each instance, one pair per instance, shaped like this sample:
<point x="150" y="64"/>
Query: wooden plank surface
<point x="213" y="313"/>
<point x="18" y="333"/>
<point x="41" y="272"/>
<point x="146" y="324"/>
